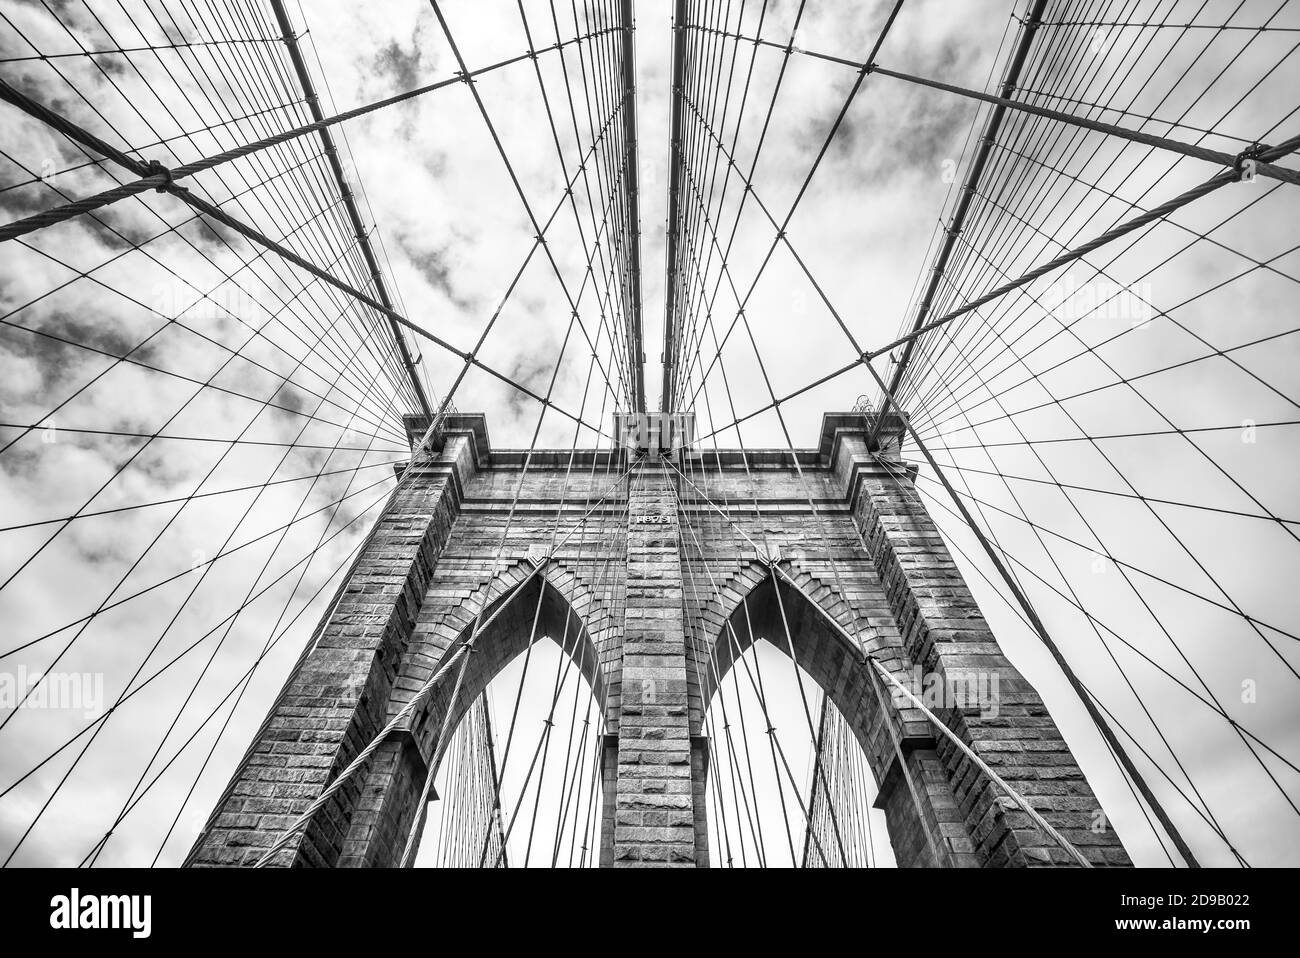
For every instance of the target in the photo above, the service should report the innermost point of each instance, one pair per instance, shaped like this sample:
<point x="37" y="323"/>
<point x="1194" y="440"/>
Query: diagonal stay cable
<point x="1078" y="252"/>
<point x="151" y="179"/>
<point x="254" y="235"/>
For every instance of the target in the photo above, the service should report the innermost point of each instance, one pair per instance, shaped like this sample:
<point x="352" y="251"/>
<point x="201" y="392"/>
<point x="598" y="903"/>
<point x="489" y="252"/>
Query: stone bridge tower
<point x="669" y="581"/>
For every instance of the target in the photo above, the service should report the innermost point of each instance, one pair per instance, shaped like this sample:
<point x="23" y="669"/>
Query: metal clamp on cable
<point x="1246" y="163"/>
<point x="155" y="168"/>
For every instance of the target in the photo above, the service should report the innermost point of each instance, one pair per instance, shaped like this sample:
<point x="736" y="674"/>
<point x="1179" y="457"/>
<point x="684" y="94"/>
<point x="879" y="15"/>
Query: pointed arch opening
<point x="516" y="780"/>
<point x="803" y="770"/>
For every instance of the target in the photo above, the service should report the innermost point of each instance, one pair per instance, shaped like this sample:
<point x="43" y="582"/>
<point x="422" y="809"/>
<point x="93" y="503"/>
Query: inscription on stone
<point x="651" y="519"/>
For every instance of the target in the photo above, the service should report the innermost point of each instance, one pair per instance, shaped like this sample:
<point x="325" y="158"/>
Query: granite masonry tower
<point x="668" y="581"/>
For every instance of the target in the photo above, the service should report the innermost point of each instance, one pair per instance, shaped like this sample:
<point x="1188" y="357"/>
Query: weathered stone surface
<point x="655" y="613"/>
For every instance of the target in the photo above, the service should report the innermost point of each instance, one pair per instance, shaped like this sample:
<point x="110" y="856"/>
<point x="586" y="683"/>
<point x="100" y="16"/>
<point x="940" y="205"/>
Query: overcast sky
<point x="454" y="233"/>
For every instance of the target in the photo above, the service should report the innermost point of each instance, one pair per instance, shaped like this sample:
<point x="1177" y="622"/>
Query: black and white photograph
<point x="649" y="434"/>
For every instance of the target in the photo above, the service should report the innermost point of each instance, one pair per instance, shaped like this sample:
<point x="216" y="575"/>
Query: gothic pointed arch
<point x="805" y="619"/>
<point x="524" y="604"/>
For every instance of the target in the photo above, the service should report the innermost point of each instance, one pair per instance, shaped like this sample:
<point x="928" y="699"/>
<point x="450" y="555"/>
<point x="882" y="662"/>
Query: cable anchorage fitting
<point x="155" y="168"/>
<point x="1247" y="161"/>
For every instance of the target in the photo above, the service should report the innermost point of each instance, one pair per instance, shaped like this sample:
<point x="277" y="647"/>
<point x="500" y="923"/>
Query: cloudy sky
<point x="241" y="369"/>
